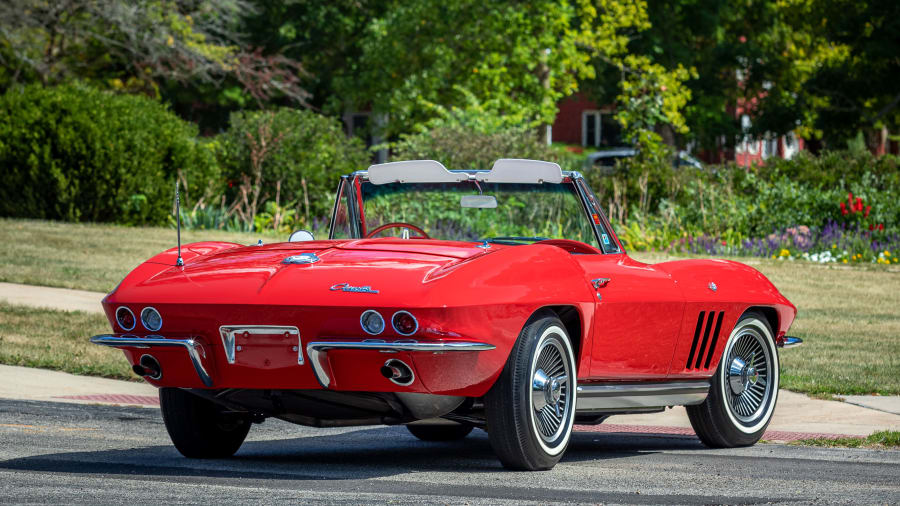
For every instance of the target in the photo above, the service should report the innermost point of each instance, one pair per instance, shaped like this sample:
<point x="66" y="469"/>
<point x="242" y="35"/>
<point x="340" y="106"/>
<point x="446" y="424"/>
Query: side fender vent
<point x="703" y="355"/>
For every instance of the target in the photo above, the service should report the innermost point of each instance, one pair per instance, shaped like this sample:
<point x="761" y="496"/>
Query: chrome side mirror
<point x="301" y="236"/>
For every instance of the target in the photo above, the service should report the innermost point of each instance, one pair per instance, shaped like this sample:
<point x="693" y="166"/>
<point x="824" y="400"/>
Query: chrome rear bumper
<point x="318" y="351"/>
<point x="151" y="342"/>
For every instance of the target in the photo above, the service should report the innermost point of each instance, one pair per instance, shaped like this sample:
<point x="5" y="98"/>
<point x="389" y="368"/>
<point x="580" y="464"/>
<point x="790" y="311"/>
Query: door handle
<point x="600" y="282"/>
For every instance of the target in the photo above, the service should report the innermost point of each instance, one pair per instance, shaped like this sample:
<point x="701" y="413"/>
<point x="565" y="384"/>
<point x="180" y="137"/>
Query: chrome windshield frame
<point x="569" y="177"/>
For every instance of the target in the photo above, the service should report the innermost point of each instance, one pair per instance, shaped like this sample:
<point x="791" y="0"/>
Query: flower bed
<point x="833" y="243"/>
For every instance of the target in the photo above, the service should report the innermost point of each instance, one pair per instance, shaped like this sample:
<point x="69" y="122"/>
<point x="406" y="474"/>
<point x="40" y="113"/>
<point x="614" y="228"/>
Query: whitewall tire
<point x="530" y="410"/>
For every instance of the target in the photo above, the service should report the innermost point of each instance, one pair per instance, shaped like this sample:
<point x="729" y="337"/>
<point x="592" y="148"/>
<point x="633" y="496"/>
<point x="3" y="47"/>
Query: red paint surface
<point x="641" y="329"/>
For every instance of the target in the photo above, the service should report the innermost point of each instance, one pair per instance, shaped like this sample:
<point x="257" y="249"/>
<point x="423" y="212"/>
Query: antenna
<point x="178" y="262"/>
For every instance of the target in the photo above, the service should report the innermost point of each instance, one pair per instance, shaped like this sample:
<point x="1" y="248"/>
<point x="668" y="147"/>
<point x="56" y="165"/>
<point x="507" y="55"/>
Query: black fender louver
<point x="705" y="324"/>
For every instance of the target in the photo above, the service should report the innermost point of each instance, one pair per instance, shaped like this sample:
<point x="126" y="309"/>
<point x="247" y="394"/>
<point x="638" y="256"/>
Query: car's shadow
<point x="352" y="455"/>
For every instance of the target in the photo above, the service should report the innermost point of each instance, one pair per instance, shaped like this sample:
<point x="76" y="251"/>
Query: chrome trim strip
<point x="159" y="342"/>
<point x="318" y="351"/>
<point x="228" y="333"/>
<point x="790" y="342"/>
<point x="611" y="396"/>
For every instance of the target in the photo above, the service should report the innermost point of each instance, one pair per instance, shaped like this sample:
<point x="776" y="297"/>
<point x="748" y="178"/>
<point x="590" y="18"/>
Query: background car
<point x="606" y="160"/>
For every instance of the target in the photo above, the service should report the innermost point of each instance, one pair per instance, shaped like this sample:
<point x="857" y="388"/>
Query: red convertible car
<point x="446" y="300"/>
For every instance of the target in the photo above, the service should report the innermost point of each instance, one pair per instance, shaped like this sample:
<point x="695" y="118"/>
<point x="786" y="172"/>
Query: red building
<point x="584" y="122"/>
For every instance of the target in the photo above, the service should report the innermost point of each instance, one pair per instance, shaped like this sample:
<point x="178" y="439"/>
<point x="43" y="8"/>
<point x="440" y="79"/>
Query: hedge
<point x="76" y="153"/>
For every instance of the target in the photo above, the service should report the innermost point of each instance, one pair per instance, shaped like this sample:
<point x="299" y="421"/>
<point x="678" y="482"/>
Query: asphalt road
<point x="69" y="453"/>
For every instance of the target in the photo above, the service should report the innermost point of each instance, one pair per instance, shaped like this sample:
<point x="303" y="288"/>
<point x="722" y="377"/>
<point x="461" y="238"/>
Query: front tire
<point x="530" y="410"/>
<point x="440" y="432"/>
<point x="744" y="388"/>
<point x="198" y="427"/>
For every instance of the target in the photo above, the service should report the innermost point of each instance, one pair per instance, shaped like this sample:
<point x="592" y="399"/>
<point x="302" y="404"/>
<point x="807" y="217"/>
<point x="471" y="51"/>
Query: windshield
<point x="466" y="211"/>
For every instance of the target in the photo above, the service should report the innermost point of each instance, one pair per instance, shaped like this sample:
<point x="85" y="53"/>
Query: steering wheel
<point x="398" y="225"/>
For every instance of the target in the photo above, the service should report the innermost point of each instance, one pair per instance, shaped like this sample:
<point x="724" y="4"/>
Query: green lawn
<point x="58" y="340"/>
<point x="849" y="317"/>
<point x="883" y="439"/>
<point x="88" y="256"/>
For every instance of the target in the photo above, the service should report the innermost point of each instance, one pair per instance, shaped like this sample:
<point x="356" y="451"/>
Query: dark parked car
<point x="606" y="159"/>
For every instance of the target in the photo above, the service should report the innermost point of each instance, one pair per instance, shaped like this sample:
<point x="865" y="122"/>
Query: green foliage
<point x="307" y="153"/>
<point x="141" y="46"/>
<point x="470" y="138"/>
<point x="734" y="203"/>
<point x="834" y="66"/>
<point x="517" y="58"/>
<point x="79" y="154"/>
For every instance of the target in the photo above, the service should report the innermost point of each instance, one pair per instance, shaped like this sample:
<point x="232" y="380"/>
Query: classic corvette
<point x="448" y="300"/>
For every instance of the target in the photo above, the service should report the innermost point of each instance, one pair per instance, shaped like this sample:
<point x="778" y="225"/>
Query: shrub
<point x="76" y="153"/>
<point x="304" y="155"/>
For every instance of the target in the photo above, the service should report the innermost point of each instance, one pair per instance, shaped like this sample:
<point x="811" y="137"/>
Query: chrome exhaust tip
<point x="398" y="372"/>
<point x="149" y="367"/>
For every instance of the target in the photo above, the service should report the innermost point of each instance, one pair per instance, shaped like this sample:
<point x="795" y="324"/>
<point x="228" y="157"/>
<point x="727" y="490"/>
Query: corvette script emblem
<point x="347" y="287"/>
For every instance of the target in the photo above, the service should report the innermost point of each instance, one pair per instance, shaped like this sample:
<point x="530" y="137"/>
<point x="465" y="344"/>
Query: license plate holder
<point x="262" y="345"/>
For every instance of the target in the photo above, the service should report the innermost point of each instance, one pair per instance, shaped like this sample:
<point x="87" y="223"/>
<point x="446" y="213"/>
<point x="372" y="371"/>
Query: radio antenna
<point x="178" y="262"/>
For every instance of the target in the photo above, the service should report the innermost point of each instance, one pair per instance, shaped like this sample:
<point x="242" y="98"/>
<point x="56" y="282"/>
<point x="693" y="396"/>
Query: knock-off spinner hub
<point x="741" y="375"/>
<point x="553" y="392"/>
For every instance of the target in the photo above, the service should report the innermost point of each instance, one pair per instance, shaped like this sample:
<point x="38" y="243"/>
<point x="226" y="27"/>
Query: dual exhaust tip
<point x="148" y="367"/>
<point x="395" y="370"/>
<point x="398" y="372"/>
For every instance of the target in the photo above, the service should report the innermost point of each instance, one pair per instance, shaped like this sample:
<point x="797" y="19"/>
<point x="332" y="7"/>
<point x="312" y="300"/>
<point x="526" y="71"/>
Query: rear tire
<point x="744" y="388"/>
<point x="530" y="410"/>
<point x="198" y="427"/>
<point x="440" y="432"/>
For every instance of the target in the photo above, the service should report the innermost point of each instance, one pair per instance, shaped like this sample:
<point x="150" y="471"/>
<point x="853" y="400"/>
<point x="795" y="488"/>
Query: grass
<point x="849" y="316"/>
<point x="58" y="340"/>
<point x="883" y="439"/>
<point x="91" y="257"/>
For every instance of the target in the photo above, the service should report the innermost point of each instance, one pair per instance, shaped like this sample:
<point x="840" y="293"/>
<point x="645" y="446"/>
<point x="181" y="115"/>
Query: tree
<point x="138" y="45"/>
<point x="840" y="68"/>
<point x="324" y="35"/>
<point x="517" y="59"/>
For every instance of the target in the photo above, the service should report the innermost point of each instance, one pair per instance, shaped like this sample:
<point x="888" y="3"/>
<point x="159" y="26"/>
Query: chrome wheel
<point x="748" y="382"/>
<point x="530" y="409"/>
<point x="743" y="394"/>
<point x="551" y="394"/>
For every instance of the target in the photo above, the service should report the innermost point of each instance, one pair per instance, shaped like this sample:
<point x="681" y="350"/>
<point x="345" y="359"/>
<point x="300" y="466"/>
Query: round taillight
<point x="372" y="322"/>
<point x="125" y="318"/>
<point x="151" y="319"/>
<point x="404" y="323"/>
